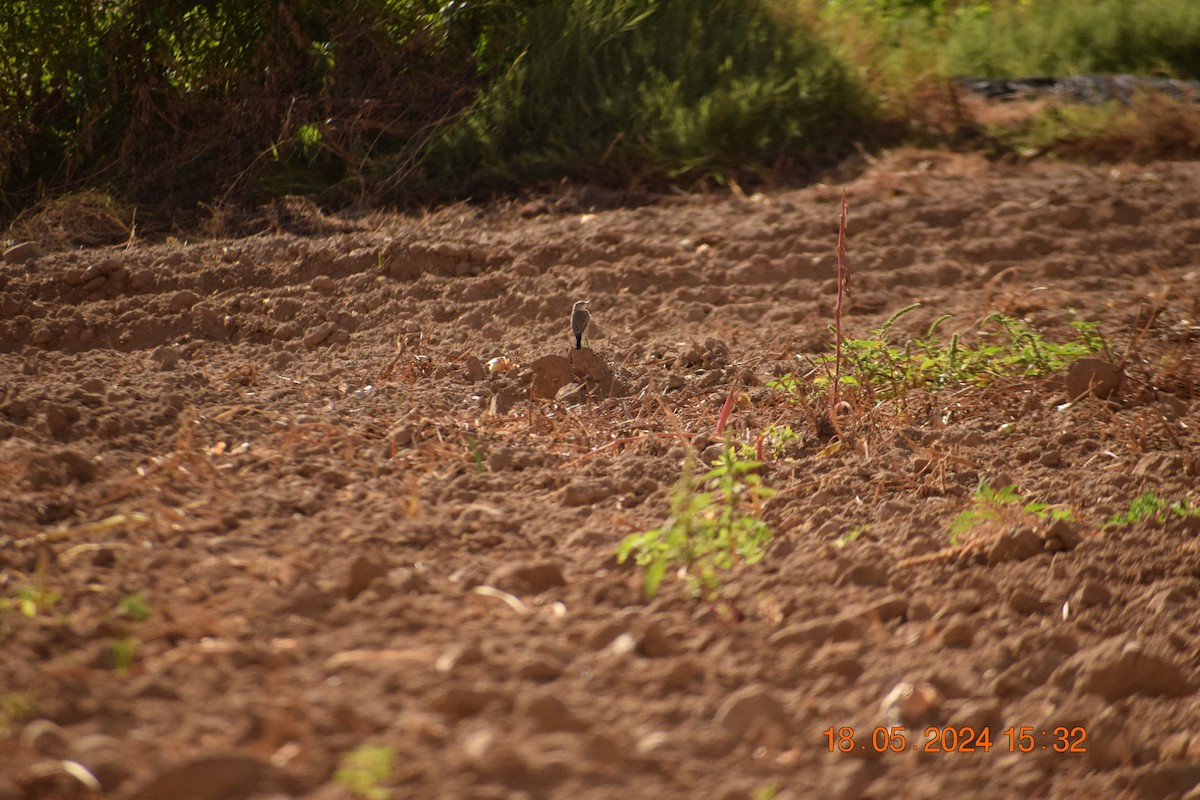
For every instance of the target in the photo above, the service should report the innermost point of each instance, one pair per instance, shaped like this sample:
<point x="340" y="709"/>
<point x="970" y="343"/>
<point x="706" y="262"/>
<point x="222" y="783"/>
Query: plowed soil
<point x="265" y="502"/>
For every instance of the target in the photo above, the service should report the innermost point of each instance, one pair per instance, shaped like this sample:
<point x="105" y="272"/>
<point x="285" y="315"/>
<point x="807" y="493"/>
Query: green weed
<point x="134" y="607"/>
<point x="16" y="708"/>
<point x="123" y="650"/>
<point x="714" y="523"/>
<point x="1152" y="507"/>
<point x="1002" y="505"/>
<point x="365" y="769"/>
<point x="1002" y="347"/>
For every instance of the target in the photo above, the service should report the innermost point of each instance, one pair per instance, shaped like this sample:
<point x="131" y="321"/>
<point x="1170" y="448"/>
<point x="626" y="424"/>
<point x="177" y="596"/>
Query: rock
<point x="549" y="714"/>
<point x="20" y="253"/>
<point x="750" y="706"/>
<point x="214" y="777"/>
<point x="1016" y="544"/>
<point x="363" y="571"/>
<point x="551" y="373"/>
<point x="1092" y="376"/>
<point x="1119" y="668"/>
<point x="531" y="577"/>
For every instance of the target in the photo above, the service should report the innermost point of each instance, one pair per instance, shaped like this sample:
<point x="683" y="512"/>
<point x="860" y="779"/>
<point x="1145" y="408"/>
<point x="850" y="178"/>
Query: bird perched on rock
<point x="580" y="317"/>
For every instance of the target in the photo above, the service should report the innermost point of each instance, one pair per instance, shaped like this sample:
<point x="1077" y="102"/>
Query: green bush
<point x="619" y="87"/>
<point x="1047" y="37"/>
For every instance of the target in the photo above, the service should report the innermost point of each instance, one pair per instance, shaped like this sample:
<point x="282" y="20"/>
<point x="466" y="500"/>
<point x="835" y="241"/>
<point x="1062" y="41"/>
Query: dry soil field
<point x="266" y="507"/>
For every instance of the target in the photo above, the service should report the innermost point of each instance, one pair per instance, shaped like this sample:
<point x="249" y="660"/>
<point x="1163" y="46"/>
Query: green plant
<point x="714" y="523"/>
<point x="364" y="769"/>
<point x="135" y="607"/>
<point x="39" y="597"/>
<point x="1002" y="505"/>
<point x="767" y="792"/>
<point x="1002" y="347"/>
<point x="123" y="649"/>
<point x="1150" y="506"/>
<point x="15" y="708"/>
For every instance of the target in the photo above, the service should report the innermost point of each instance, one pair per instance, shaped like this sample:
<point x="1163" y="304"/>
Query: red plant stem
<point x="843" y="289"/>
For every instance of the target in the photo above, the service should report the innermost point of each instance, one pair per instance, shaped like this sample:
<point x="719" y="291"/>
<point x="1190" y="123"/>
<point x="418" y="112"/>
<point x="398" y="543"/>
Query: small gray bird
<point x="580" y="317"/>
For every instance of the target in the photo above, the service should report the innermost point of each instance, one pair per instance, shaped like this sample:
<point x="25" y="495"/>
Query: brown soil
<point x="349" y="530"/>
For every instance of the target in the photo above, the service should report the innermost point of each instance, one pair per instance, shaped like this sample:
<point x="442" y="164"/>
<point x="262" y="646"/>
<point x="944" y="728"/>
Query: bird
<point x="580" y="317"/>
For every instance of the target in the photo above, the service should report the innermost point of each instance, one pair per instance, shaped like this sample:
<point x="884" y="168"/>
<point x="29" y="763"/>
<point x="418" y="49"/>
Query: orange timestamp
<point x="965" y="739"/>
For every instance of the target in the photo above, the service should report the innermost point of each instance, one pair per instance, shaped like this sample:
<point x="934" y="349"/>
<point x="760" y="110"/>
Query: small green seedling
<point x="1152" y="507"/>
<point x="134" y="607"/>
<point x="365" y="769"/>
<point x="1001" y="505"/>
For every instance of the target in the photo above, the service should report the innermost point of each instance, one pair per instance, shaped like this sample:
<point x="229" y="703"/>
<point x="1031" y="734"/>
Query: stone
<point x="750" y="706"/>
<point x="20" y="253"/>
<point x="1093" y="376"/>
<point x="530" y="577"/>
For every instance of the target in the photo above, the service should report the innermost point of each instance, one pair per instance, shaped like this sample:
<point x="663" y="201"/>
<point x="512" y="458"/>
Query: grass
<point x="414" y="101"/>
<point x="1149" y="506"/>
<point x="879" y="368"/>
<point x="1004" y="504"/>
